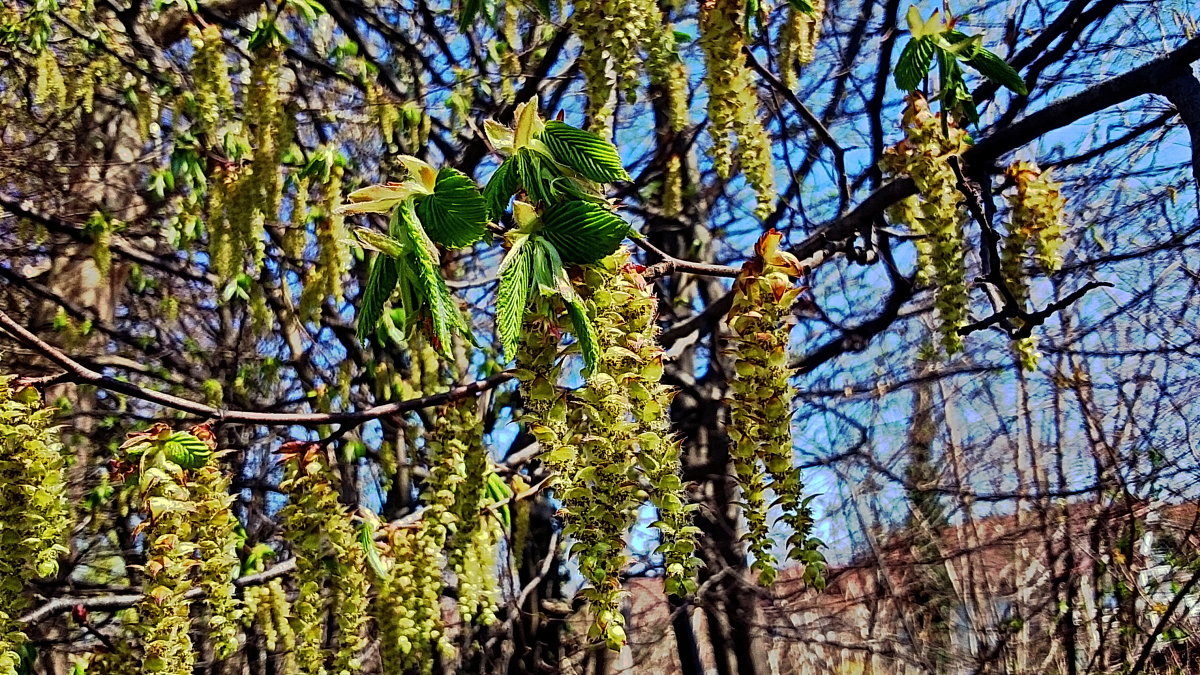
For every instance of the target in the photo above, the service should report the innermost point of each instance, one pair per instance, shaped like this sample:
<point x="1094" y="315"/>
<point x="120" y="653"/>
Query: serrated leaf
<point x="366" y="539"/>
<point x="547" y="266"/>
<point x="500" y="188"/>
<point x="455" y="214"/>
<point x="585" y="333"/>
<point x="583" y="232"/>
<point x="516" y="278"/>
<point x="186" y="450"/>
<point x="445" y="317"/>
<point x="997" y="70"/>
<point x="381" y="281"/>
<point x="914" y="63"/>
<point x="379" y="242"/>
<point x="593" y="157"/>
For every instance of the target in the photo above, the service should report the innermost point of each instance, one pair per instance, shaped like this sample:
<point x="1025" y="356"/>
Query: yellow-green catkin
<point x="635" y="359"/>
<point x="163" y="615"/>
<point x="760" y="408"/>
<point x="611" y="58"/>
<point x="734" y="124"/>
<point x="937" y="215"/>
<point x="212" y="88"/>
<point x="672" y="194"/>
<point x="510" y="57"/>
<point x="216" y="546"/>
<point x="408" y="603"/>
<point x="49" y="89"/>
<point x="798" y="40"/>
<point x="324" y="278"/>
<point x="330" y="567"/>
<point x="1035" y="230"/>
<point x="33" y="509"/>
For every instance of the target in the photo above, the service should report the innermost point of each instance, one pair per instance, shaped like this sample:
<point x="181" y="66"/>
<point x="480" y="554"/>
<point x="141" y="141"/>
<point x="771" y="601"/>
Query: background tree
<point x="174" y="254"/>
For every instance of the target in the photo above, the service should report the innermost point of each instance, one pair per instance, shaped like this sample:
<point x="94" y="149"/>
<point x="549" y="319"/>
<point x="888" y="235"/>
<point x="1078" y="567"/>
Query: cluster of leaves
<point x="937" y="214"/>
<point x="190" y="536"/>
<point x="937" y="37"/>
<point x="1035" y="230"/>
<point x="33" y="510"/>
<point x="760" y="409"/>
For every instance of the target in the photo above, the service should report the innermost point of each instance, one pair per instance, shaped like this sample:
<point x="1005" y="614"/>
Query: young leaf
<point x="583" y="232"/>
<point x="500" y="188"/>
<point x="997" y="70"/>
<point x="516" y="277"/>
<point x="585" y="333"/>
<point x="381" y="281"/>
<point x="379" y="242"/>
<point x="914" y="62"/>
<point x="988" y="64"/>
<point x="593" y="157"/>
<point x="455" y="215"/>
<point x="423" y="262"/>
<point x="547" y="265"/>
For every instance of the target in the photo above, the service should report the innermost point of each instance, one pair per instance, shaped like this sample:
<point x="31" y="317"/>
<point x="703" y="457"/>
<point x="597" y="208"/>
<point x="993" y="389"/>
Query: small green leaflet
<point x="186" y="450"/>
<point x="423" y="260"/>
<point x="583" y="232"/>
<point x="455" y="215"/>
<point x="366" y="539"/>
<point x="500" y="188"/>
<point x="585" y="333"/>
<point x="516" y="278"/>
<point x="914" y="63"/>
<point x="498" y="491"/>
<point x="376" y="241"/>
<point x="593" y="157"/>
<point x="547" y="264"/>
<point x="988" y="64"/>
<point x="381" y="281"/>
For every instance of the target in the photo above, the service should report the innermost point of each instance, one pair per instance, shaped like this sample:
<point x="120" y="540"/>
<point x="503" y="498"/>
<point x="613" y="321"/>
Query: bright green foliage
<point x="454" y="215"/>
<point x="583" y="232"/>
<point x="330" y="565"/>
<point x="936" y="37"/>
<point x="937" y="214"/>
<point x="33" y="511"/>
<point x="760" y="409"/>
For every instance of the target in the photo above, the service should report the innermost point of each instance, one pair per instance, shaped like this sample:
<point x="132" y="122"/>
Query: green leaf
<point x="455" y="215"/>
<point x="381" y="281"/>
<point x="366" y="539"/>
<point x="379" y="242"/>
<point x="805" y="6"/>
<point x="583" y="232"/>
<point x="516" y="278"/>
<point x="547" y="265"/>
<point x="585" y="333"/>
<point x="988" y="64"/>
<point x="502" y="186"/>
<point x="914" y="63"/>
<point x="593" y="157"/>
<point x="423" y="261"/>
<point x="186" y="450"/>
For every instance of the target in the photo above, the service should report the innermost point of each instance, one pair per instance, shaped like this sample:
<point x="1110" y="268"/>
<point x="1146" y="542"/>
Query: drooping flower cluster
<point x="612" y="58"/>
<point x="267" y="609"/>
<point x="330" y="565"/>
<point x="760" y="408"/>
<point x="33" y="510"/>
<point x="734" y="124"/>
<point x="190" y="538"/>
<point x="1035" y="230"/>
<point x="798" y="40"/>
<point x="937" y="214"/>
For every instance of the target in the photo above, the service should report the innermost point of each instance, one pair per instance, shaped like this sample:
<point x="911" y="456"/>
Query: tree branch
<point x="80" y="373"/>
